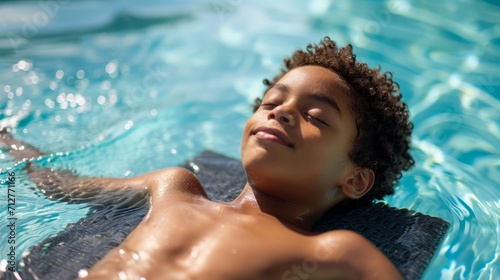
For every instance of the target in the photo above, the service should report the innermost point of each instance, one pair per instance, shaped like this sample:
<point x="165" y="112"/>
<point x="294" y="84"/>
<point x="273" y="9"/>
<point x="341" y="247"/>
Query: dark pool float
<point x="408" y="238"/>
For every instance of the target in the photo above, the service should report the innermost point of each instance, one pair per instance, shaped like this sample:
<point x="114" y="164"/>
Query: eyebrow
<point x="314" y="95"/>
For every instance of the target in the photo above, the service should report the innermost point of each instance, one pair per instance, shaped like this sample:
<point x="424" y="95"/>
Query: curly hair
<point x="382" y="120"/>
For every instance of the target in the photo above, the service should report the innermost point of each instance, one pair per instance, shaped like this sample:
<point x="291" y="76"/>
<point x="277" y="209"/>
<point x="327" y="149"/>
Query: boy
<point x="329" y="130"/>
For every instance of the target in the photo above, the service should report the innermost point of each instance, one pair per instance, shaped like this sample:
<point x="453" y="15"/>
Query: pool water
<point x="119" y="88"/>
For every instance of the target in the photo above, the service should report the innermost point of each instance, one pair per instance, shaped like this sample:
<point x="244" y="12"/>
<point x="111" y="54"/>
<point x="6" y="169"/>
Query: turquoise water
<point x="119" y="88"/>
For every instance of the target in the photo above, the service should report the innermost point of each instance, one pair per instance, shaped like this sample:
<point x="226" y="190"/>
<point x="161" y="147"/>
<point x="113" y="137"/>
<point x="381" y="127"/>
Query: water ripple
<point x="126" y="87"/>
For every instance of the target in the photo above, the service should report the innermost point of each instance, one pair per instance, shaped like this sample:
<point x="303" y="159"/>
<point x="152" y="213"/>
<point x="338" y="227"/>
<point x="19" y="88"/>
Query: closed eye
<point x="267" y="105"/>
<point x="316" y="119"/>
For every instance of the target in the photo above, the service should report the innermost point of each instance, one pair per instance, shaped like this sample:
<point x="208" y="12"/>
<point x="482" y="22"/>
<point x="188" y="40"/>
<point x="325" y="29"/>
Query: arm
<point x="164" y="186"/>
<point x="65" y="186"/>
<point x="356" y="257"/>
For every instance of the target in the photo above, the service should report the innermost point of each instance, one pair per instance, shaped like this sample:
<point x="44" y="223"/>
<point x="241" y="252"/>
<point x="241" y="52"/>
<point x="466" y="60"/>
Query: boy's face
<point x="296" y="145"/>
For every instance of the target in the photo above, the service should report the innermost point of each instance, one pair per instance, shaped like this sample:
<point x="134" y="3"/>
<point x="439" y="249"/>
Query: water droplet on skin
<point x="135" y="256"/>
<point x="194" y="252"/>
<point x="82" y="273"/>
<point x="122" y="275"/>
<point x="122" y="252"/>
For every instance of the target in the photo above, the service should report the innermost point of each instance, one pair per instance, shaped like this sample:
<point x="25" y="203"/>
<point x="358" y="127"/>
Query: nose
<point x="283" y="114"/>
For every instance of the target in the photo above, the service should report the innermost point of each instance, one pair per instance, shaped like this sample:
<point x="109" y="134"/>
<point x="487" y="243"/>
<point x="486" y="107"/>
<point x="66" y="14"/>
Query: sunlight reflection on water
<point x="120" y="85"/>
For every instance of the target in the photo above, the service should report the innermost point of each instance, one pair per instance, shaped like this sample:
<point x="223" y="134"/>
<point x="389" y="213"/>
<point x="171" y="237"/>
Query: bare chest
<point x="195" y="242"/>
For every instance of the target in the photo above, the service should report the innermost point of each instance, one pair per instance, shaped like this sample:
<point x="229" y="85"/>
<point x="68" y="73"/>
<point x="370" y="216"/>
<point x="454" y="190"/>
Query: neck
<point x="294" y="215"/>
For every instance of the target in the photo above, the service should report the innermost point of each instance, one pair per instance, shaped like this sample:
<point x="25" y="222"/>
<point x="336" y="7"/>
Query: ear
<point x="359" y="183"/>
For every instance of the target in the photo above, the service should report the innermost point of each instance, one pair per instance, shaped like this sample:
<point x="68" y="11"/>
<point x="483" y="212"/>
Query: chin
<point x="263" y="172"/>
<point x="261" y="160"/>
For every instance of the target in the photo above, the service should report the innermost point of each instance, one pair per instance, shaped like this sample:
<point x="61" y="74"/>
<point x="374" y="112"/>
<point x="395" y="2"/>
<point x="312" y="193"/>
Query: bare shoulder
<point x="359" y="255"/>
<point x="168" y="182"/>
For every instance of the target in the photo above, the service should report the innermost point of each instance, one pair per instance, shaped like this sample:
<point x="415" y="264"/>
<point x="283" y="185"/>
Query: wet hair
<point x="382" y="120"/>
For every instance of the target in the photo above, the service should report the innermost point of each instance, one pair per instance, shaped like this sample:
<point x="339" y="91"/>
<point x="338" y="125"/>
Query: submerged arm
<point x="65" y="186"/>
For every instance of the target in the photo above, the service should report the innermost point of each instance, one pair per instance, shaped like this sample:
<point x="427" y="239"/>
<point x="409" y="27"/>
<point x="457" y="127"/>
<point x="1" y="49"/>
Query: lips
<point x="272" y="134"/>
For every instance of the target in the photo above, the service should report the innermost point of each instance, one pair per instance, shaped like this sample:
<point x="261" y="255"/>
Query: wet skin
<point x="187" y="236"/>
<point x="295" y="152"/>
